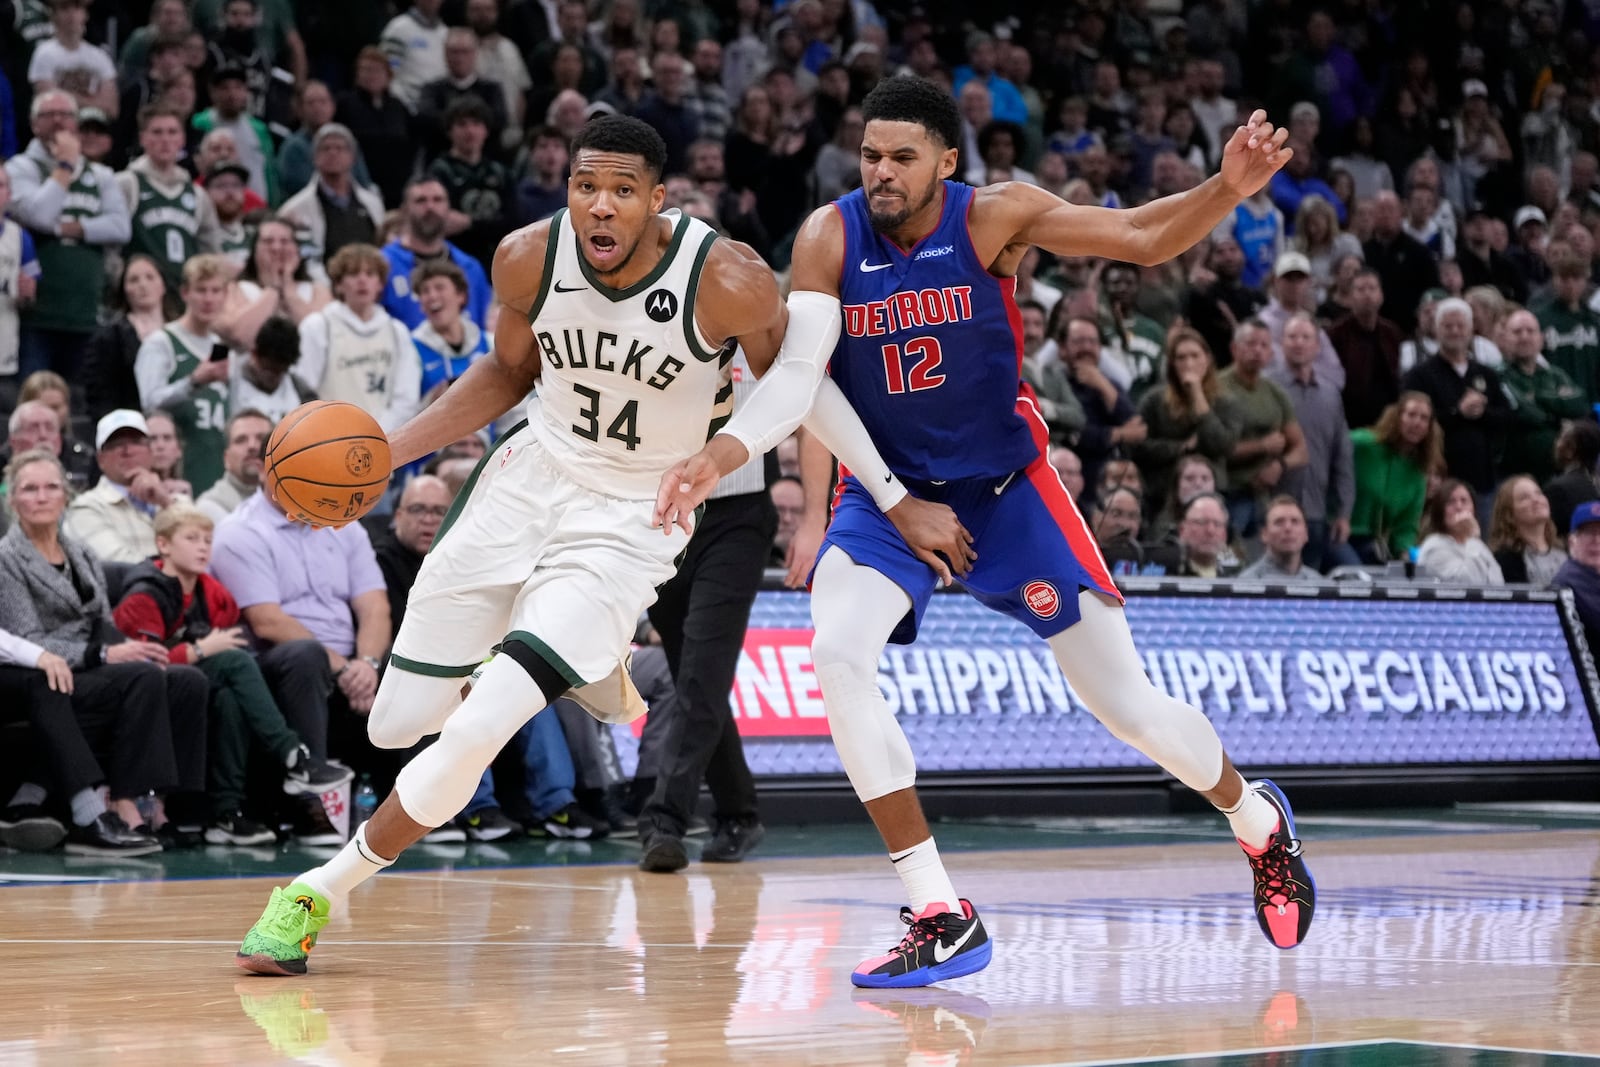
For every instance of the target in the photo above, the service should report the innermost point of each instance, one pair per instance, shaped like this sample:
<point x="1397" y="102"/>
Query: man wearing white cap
<point x="1292" y="294"/>
<point x="116" y="518"/>
<point x="1530" y="231"/>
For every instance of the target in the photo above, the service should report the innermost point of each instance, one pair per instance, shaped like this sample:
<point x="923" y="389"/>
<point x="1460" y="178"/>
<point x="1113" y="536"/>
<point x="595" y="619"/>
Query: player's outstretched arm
<point x="1154" y="232"/>
<point x="496" y="383"/>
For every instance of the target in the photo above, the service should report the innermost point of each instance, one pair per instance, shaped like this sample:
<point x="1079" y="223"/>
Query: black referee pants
<point x="701" y="615"/>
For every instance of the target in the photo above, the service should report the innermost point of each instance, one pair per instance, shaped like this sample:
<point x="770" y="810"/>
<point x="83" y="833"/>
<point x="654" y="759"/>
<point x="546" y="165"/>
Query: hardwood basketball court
<point x="1470" y="937"/>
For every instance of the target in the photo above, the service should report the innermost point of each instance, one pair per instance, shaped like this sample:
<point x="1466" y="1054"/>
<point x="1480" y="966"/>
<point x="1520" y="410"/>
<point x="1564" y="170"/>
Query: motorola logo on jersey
<point x="661" y="305"/>
<point x="1042" y="599"/>
<point x="910" y="309"/>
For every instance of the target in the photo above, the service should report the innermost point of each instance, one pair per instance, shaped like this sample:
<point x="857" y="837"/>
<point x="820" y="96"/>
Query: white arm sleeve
<point x="835" y="423"/>
<point x="782" y="400"/>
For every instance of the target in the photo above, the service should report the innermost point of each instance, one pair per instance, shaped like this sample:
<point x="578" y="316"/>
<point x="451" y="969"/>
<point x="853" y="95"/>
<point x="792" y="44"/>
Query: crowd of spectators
<point x="211" y="212"/>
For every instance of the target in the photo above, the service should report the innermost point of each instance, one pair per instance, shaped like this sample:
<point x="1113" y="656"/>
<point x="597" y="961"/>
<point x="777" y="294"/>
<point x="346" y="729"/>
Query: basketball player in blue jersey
<point x="626" y="320"/>
<point x="920" y="272"/>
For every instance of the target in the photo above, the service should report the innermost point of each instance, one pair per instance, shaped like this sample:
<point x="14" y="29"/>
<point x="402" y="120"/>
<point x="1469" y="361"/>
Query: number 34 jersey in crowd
<point x="931" y="350"/>
<point x="628" y="386"/>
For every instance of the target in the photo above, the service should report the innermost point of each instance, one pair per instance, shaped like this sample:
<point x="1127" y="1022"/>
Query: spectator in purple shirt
<point x="294" y="582"/>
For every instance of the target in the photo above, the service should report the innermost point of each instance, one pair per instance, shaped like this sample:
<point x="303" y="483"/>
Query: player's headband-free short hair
<point x="624" y="135"/>
<point x="908" y="98"/>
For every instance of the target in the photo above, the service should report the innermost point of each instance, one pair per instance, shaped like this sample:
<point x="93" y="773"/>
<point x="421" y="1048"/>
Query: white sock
<point x="1253" y="819"/>
<point x="28" y="793"/>
<point x="87" y="806"/>
<point x="354" y="864"/>
<point x="923" y="875"/>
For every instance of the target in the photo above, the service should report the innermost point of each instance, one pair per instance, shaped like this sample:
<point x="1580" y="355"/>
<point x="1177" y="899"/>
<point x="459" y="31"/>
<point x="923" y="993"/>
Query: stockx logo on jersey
<point x="661" y="305"/>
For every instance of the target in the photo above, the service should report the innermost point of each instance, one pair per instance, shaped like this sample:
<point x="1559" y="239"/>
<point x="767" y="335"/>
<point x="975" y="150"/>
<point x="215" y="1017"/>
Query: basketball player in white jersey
<point x="625" y="319"/>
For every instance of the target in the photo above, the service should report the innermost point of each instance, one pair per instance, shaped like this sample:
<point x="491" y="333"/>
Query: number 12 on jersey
<point x="923" y="356"/>
<point x="624" y="428"/>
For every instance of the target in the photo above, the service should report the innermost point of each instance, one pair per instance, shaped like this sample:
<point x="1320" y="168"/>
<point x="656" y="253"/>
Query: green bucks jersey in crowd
<point x="73" y="274"/>
<point x="201" y="419"/>
<point x="166" y="228"/>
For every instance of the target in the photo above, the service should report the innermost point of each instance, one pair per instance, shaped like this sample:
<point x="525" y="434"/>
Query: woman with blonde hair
<point x="1317" y="235"/>
<point x="1392" y="463"/>
<point x="1522" y="535"/>
<point x="1183" y="416"/>
<point x="144" y="717"/>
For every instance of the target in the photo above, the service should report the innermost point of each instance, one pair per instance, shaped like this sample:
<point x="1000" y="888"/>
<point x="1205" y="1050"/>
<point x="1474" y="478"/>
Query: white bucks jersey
<point x="628" y="386"/>
<point x="360" y="366"/>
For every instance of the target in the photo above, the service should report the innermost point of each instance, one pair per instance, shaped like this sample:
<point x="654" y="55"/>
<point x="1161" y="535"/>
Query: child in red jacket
<point x="172" y="600"/>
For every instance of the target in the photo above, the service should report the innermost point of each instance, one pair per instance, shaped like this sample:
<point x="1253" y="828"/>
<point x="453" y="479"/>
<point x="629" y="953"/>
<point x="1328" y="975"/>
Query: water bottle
<point x="148" y="805"/>
<point x="365" y="801"/>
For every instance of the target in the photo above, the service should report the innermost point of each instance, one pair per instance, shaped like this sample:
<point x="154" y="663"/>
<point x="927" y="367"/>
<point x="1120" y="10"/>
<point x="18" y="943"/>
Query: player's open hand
<point x="1254" y="154"/>
<point x="935" y="535"/>
<point x="684" y="487"/>
<point x="802" y="554"/>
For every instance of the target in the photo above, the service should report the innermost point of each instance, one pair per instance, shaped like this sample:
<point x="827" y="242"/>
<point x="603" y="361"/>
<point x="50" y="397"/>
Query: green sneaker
<point x="282" y="938"/>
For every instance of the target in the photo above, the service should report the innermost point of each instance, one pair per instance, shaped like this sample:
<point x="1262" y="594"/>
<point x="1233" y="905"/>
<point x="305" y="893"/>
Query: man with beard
<point x="915" y="271"/>
<point x="224" y="188"/>
<point x="422" y="225"/>
<point x="236" y="44"/>
<point x="246" y="434"/>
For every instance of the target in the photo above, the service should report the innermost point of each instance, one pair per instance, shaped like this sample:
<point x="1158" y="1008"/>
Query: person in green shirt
<point x="1267" y="442"/>
<point x="183" y="370"/>
<point x="1571" y="330"/>
<point x="1545" y="397"/>
<point x="1392" y="462"/>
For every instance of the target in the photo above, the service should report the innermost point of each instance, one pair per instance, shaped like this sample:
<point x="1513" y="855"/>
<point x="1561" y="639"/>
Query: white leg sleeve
<point x="854" y="609"/>
<point x="1098" y="658"/>
<point x="434" y="787"/>
<point x="409" y="707"/>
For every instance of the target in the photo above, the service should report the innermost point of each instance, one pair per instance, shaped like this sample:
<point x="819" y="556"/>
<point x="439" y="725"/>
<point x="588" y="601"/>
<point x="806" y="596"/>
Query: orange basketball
<point x="327" y="463"/>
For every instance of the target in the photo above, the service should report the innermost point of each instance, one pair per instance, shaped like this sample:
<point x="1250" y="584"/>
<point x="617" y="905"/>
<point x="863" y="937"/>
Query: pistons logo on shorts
<point x="1042" y="599"/>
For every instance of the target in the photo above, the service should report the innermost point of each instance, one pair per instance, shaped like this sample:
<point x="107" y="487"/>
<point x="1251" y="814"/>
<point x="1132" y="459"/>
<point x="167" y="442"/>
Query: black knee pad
<point x="544" y="674"/>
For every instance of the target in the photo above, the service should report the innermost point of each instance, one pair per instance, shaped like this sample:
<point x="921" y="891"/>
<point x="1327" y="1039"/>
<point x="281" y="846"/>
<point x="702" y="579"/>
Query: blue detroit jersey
<point x="931" y="351"/>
